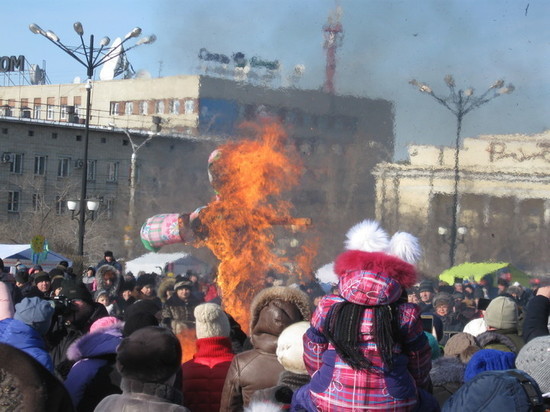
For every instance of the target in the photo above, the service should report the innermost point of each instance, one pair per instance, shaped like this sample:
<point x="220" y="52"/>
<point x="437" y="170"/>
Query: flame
<point x="187" y="341"/>
<point x="249" y="177"/>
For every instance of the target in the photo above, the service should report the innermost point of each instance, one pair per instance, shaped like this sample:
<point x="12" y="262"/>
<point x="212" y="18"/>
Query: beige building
<point x="340" y="139"/>
<point x="503" y="199"/>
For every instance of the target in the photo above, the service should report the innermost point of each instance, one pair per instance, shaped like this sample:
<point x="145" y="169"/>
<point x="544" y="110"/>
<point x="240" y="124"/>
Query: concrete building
<point x="340" y="138"/>
<point x="504" y="199"/>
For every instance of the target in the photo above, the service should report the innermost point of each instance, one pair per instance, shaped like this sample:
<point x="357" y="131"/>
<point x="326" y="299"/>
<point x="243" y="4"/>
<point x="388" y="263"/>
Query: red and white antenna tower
<point x="334" y="35"/>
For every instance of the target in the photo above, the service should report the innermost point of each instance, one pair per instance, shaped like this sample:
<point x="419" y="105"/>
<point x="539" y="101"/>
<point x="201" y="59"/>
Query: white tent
<point x="11" y="254"/>
<point x="177" y="263"/>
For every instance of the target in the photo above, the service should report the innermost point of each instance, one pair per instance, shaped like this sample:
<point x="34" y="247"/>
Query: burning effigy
<point x="249" y="178"/>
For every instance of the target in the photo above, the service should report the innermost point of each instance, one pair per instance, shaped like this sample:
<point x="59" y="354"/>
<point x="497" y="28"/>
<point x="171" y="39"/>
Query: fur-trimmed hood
<point x="372" y="278"/>
<point x="272" y="310"/>
<point x="101" y="342"/>
<point x="495" y="338"/>
<point x="165" y="285"/>
<point x="117" y="283"/>
<point x="447" y="370"/>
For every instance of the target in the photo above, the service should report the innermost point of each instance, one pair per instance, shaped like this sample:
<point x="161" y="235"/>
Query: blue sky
<point x="386" y="43"/>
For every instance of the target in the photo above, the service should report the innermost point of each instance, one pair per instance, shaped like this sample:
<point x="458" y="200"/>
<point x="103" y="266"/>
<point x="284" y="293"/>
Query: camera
<point x="62" y="304"/>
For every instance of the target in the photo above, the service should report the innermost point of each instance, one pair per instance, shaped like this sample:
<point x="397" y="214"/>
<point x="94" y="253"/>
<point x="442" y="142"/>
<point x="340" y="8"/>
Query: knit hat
<point x="22" y="276"/>
<point x="147" y="279"/>
<point x="426" y="286"/>
<point x="458" y="342"/>
<point x="488" y="360"/>
<point x="534" y="358"/>
<point x="442" y="298"/>
<point x="41" y="277"/>
<point x="76" y="290"/>
<point x="211" y="321"/>
<point x="103" y="323"/>
<point x="98" y="293"/>
<point x="290" y="348"/>
<point x="502" y="313"/>
<point x="137" y="321"/>
<point x="108" y="253"/>
<point x="36" y="313"/>
<point x="150" y="354"/>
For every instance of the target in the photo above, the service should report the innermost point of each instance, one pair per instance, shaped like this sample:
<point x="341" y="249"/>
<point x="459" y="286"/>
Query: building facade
<point x="340" y="139"/>
<point x="503" y="199"/>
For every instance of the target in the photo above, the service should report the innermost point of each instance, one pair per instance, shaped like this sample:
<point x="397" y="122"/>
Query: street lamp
<point x="91" y="58"/>
<point x="460" y="103"/>
<point x="89" y="213"/>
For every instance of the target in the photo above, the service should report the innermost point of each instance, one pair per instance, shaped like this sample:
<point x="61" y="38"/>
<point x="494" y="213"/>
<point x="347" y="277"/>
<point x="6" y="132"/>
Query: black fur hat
<point x="150" y="354"/>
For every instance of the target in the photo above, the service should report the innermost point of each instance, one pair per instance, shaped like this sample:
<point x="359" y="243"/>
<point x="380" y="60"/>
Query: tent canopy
<point x="177" y="263"/>
<point x="10" y="254"/>
<point x="475" y="271"/>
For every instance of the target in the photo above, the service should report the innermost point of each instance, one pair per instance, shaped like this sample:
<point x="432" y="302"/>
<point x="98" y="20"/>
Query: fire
<point x="249" y="177"/>
<point x="187" y="341"/>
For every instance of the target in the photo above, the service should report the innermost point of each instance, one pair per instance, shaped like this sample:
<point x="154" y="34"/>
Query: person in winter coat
<point x="290" y="354"/>
<point x="26" y="385"/>
<point x="94" y="375"/>
<point x="166" y="289"/>
<point x="272" y="310"/>
<point x="178" y="310"/>
<point x="25" y="331"/>
<point x="109" y="259"/>
<point x="109" y="279"/>
<point x="366" y="348"/>
<point x="501" y="318"/>
<point x="148" y="361"/>
<point x="443" y="306"/>
<point x="204" y="375"/>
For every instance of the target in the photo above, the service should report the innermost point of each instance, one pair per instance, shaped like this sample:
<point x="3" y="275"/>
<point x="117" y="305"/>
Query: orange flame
<point x="249" y="176"/>
<point x="187" y="341"/>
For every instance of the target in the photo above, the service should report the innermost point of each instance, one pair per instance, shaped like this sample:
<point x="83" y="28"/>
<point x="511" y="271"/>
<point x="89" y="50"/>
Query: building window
<point x="50" y="112"/>
<point x="40" y="165"/>
<point x="108" y="204"/>
<point x="129" y="108"/>
<point x="36" y="201"/>
<point x="112" y="171"/>
<point x="63" y="167"/>
<point x="54" y="135"/>
<point x="17" y="165"/>
<point x="189" y="106"/>
<point x="31" y="133"/>
<point x="159" y="107"/>
<point x="92" y="167"/>
<point x="143" y="108"/>
<point x="114" y="108"/>
<point x="4" y="130"/>
<point x="103" y="140"/>
<point x="78" y="137"/>
<point x="175" y="106"/>
<point x="37" y="111"/>
<point x="59" y="205"/>
<point x="14" y="198"/>
<point x="63" y="112"/>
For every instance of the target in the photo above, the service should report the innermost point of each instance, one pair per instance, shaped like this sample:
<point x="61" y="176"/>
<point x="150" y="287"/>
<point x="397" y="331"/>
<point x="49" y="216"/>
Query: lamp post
<point x="91" y="58"/>
<point x="460" y="103"/>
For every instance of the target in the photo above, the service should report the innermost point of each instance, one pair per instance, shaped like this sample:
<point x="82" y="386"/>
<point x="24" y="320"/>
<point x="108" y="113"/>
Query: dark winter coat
<point x="447" y="377"/>
<point x="204" y="375"/>
<point x="536" y="318"/>
<point x="94" y="375"/>
<point x="112" y="263"/>
<point x="23" y="337"/>
<point x="272" y="310"/>
<point x="178" y="314"/>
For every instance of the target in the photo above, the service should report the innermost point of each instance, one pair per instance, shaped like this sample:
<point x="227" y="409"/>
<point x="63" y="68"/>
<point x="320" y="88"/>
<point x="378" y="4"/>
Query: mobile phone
<point x="427" y="323"/>
<point x="482" y="303"/>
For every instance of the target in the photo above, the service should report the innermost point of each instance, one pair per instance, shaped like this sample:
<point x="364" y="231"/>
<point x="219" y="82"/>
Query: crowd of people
<point x="379" y="337"/>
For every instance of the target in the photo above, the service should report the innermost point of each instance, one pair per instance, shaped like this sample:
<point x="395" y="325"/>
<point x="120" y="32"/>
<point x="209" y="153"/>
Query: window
<point x="112" y="171"/>
<point x="17" y="165"/>
<point x="129" y="108"/>
<point x="4" y="130"/>
<point x="108" y="203"/>
<point x="14" y="198"/>
<point x="114" y="108"/>
<point x="31" y="133"/>
<point x="189" y="106"/>
<point x="37" y="111"/>
<point x="159" y="107"/>
<point x="143" y="108"/>
<point x="54" y="135"/>
<point x="78" y="137"/>
<point x="36" y="201"/>
<point x="59" y="205"/>
<point x="63" y="112"/>
<point x="40" y="165"/>
<point x="63" y="167"/>
<point x="92" y="167"/>
<point x="77" y="110"/>
<point x="50" y="112"/>
<point x="175" y="106"/>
